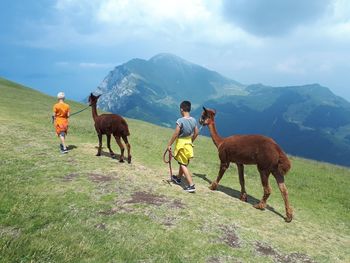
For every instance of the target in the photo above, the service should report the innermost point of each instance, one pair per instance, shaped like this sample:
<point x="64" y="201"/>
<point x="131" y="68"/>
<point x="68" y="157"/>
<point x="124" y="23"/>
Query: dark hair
<point x="185" y="106"/>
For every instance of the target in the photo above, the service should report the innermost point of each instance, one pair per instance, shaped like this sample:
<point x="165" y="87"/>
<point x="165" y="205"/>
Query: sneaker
<point x="64" y="150"/>
<point x="175" y="179"/>
<point x="61" y="147"/>
<point x="190" y="188"/>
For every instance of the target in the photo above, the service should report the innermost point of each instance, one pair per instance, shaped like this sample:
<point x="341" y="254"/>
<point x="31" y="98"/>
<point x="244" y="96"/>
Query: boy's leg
<point x="181" y="173"/>
<point x="62" y="138"/>
<point x="177" y="179"/>
<point x="187" y="174"/>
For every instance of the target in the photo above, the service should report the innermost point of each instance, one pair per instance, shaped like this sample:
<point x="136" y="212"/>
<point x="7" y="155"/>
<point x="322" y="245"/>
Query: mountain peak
<point x="168" y="57"/>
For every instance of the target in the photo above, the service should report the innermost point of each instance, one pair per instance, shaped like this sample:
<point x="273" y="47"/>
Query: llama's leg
<point x="121" y="146"/>
<point x="99" y="144"/>
<point x="264" y="176"/>
<point x="284" y="192"/>
<point x="109" y="145"/>
<point x="223" y="168"/>
<point x="128" y="147"/>
<point x="243" y="196"/>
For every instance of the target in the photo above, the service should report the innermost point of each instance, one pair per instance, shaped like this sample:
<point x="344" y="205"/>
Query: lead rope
<point x="200" y="128"/>
<point x="170" y="156"/>
<point x="78" y="111"/>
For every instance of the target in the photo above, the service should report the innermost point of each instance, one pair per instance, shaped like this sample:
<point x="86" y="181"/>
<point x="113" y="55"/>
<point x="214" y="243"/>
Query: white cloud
<point x="291" y="66"/>
<point x="143" y="12"/>
<point x="111" y="22"/>
<point x="198" y="30"/>
<point x="336" y="24"/>
<point x="341" y="10"/>
<point x="84" y="65"/>
<point x="96" y="65"/>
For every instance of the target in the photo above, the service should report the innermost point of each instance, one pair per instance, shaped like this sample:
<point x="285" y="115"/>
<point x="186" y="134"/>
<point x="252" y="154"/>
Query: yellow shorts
<point x="183" y="150"/>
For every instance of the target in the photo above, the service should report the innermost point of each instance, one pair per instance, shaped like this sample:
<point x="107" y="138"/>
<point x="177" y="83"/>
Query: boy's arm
<point x="53" y="117"/>
<point x="173" y="138"/>
<point x="195" y="134"/>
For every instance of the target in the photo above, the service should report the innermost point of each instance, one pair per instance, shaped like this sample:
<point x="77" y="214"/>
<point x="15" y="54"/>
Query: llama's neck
<point x="214" y="134"/>
<point x="94" y="112"/>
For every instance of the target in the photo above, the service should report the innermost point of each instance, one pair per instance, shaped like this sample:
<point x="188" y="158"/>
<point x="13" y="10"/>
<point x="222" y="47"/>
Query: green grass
<point x="82" y="208"/>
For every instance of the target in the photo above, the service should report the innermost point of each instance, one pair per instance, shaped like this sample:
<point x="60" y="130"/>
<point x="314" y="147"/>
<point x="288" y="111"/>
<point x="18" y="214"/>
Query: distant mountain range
<point x="308" y="121"/>
<point x="151" y="90"/>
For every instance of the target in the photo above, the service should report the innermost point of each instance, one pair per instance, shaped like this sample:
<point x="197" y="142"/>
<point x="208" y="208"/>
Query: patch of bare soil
<point x="114" y="210"/>
<point x="298" y="257"/>
<point x="177" y="204"/>
<point x="168" y="221"/>
<point x="146" y="198"/>
<point x="213" y="260"/>
<point x="149" y="198"/>
<point x="221" y="259"/>
<point x="101" y="226"/>
<point x="70" y="177"/>
<point x="100" y="178"/>
<point x="108" y="212"/>
<point x="230" y="236"/>
<point x="72" y="160"/>
<point x="9" y="231"/>
<point x="267" y="250"/>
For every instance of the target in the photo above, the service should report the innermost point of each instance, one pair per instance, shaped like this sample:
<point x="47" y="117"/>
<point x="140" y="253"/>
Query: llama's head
<point x="93" y="99"/>
<point x="207" y="116"/>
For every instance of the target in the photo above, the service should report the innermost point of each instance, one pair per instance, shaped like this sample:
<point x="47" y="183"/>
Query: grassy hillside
<point x="82" y="208"/>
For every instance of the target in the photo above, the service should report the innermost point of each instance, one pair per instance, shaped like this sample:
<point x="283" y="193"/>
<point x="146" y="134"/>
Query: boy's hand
<point x="169" y="148"/>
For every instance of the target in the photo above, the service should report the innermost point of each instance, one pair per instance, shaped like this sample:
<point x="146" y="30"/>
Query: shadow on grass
<point x="71" y="147"/>
<point x="107" y="154"/>
<point x="236" y="194"/>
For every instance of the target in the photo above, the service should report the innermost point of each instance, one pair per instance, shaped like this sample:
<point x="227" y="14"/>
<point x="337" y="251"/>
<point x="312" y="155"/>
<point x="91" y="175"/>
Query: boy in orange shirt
<point x="60" y="117"/>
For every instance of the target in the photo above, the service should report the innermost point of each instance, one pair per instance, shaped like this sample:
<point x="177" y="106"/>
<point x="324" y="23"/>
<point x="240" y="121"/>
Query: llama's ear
<point x="205" y="110"/>
<point x="99" y="96"/>
<point x="214" y="110"/>
<point x="91" y="94"/>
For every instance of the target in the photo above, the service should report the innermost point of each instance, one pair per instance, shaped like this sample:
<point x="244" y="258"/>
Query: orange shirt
<point x="61" y="111"/>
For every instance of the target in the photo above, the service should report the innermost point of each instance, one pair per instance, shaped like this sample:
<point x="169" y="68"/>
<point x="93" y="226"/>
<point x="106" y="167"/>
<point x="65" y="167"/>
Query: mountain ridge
<point x="310" y="114"/>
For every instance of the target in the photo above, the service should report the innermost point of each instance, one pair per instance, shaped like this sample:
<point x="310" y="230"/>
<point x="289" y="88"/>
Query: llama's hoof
<point x="112" y="155"/>
<point x="98" y="154"/>
<point x="243" y="197"/>
<point x="289" y="218"/>
<point x="121" y="160"/>
<point x="129" y="159"/>
<point x="260" y="206"/>
<point x="213" y="186"/>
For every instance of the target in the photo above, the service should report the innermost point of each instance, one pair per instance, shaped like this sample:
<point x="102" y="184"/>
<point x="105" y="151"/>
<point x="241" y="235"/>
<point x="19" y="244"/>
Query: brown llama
<point x="250" y="149"/>
<point x="110" y="124"/>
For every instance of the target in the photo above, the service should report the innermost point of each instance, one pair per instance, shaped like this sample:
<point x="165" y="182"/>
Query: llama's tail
<point x="126" y="128"/>
<point x="127" y="132"/>
<point x="283" y="163"/>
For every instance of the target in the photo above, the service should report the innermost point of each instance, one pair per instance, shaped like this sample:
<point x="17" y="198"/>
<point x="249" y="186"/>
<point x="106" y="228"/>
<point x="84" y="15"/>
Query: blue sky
<point x="71" y="45"/>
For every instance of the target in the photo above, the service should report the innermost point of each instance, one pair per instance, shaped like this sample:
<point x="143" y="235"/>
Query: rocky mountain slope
<point x="152" y="89"/>
<point x="308" y="121"/>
